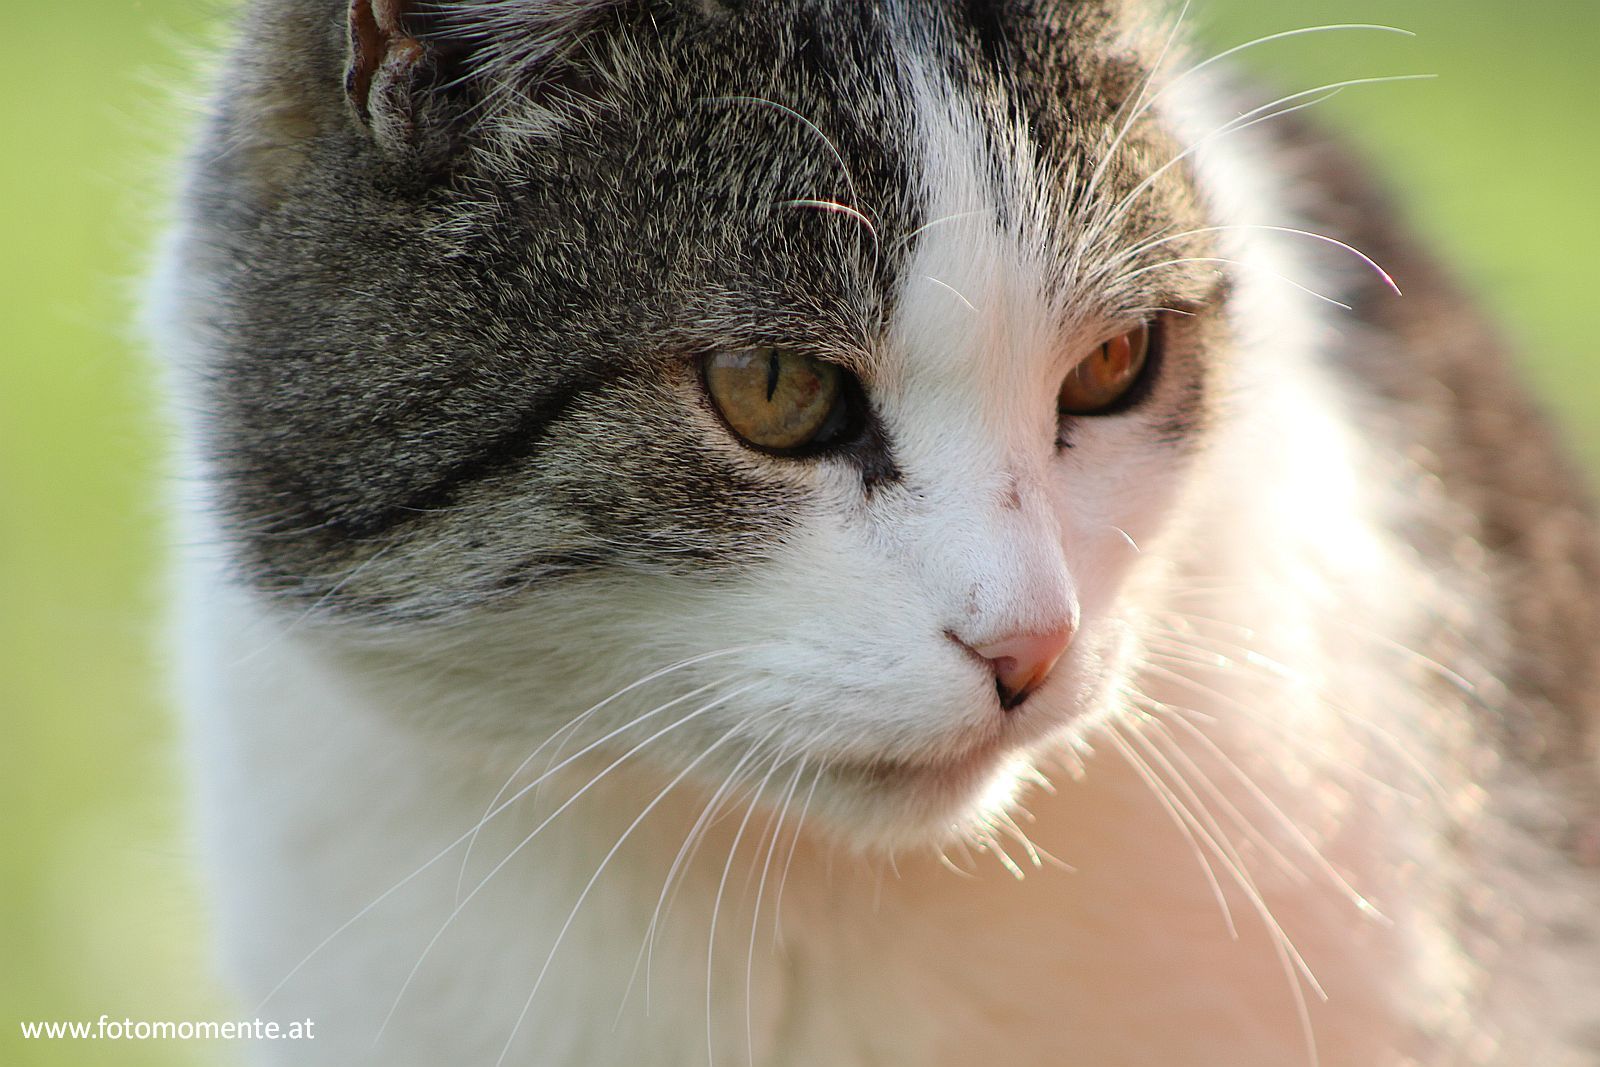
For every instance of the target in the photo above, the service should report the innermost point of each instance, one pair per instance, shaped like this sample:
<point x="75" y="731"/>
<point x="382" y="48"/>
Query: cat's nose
<point x="1021" y="662"/>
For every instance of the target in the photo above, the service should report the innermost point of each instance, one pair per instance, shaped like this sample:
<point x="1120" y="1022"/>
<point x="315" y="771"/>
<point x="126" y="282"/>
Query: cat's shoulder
<point x="1433" y="359"/>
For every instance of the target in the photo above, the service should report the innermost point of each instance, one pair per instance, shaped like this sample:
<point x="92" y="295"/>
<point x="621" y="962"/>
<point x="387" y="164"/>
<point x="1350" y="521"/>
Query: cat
<point x="810" y="532"/>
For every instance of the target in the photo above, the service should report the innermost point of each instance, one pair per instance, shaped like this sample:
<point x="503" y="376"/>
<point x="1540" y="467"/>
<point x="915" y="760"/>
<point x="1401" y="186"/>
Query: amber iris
<point x="1104" y="376"/>
<point x="776" y="399"/>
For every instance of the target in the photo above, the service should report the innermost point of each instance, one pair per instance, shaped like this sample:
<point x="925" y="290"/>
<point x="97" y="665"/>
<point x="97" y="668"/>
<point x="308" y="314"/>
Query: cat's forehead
<point x="785" y="162"/>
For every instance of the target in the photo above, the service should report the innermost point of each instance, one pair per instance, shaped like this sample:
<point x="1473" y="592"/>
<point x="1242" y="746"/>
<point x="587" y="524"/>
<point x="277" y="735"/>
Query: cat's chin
<point x="891" y="805"/>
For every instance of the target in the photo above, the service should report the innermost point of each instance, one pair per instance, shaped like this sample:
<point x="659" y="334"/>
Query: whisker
<point x="835" y="208"/>
<point x="1138" y="108"/>
<point x="774" y="828"/>
<point x="716" y="904"/>
<point x="1257" y="42"/>
<point x="952" y="290"/>
<point x="1289" y="957"/>
<point x="1008" y="824"/>
<point x="1280" y="36"/>
<point x="1244" y="264"/>
<point x="1455" y="678"/>
<point x="950" y="865"/>
<point x="573" y="799"/>
<point x="1192" y="771"/>
<point x="860" y="211"/>
<point x="794" y="843"/>
<point x="833" y="149"/>
<point x="1253" y="117"/>
<point x="1366" y="260"/>
<point x="681" y="862"/>
<point x="1169" y="803"/>
<point x="1361" y="902"/>
<point x="1147" y="105"/>
<point x="1213" y="834"/>
<point x="572" y="727"/>
<point x="940" y="221"/>
<point x="310" y="612"/>
<point x="1281" y="731"/>
<point x="567" y="925"/>
<point x="428" y="864"/>
<point x="1126" y="536"/>
<point x="1393" y="743"/>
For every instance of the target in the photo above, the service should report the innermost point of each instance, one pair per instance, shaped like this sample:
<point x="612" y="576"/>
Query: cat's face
<point x="485" y="343"/>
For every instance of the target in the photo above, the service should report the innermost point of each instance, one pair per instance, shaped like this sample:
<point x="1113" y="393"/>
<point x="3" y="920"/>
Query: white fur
<point x="330" y="766"/>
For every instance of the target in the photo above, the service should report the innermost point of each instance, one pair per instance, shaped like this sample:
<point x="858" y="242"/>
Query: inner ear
<point x="396" y="81"/>
<point x="372" y="28"/>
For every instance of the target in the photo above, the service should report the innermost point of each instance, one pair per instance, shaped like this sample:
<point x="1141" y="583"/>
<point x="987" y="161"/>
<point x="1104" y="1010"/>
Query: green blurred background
<point x="98" y="896"/>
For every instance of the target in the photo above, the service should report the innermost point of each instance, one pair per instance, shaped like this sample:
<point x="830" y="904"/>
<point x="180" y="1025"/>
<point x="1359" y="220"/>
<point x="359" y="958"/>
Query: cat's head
<point x="839" y="357"/>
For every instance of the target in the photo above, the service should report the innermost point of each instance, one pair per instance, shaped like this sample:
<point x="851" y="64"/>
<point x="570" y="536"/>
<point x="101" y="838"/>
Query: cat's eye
<point x="779" y="400"/>
<point x="1104" y="379"/>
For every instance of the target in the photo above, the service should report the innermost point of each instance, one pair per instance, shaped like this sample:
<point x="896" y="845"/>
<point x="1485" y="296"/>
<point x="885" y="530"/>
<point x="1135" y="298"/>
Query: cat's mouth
<point x="1005" y="737"/>
<point x="899" y="799"/>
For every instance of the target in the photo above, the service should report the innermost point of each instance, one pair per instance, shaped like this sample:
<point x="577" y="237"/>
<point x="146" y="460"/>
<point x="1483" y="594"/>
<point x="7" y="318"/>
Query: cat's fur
<point x="1329" y="710"/>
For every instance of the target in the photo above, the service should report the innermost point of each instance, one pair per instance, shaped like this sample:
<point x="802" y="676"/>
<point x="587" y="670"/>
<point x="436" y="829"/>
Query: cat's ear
<point x="418" y="74"/>
<point x="406" y="90"/>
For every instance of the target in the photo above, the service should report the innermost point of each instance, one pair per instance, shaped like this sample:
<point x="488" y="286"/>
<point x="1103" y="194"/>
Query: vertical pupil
<point x="772" y="376"/>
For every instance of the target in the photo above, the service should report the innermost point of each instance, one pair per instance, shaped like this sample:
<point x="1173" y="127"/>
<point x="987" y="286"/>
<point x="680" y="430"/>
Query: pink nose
<point x="1022" y="662"/>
